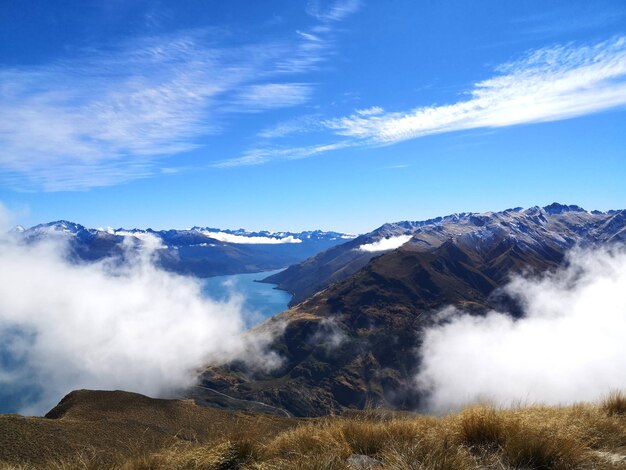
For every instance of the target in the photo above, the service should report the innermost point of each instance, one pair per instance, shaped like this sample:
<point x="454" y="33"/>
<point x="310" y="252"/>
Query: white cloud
<point x="548" y="84"/>
<point x="6" y="218"/>
<point x="101" y="325"/>
<point x="102" y="118"/>
<point x="385" y="244"/>
<point x="328" y="335"/>
<point x="299" y="125"/>
<point x="147" y="238"/>
<point x="264" y="155"/>
<point x="399" y="166"/>
<point x="373" y="111"/>
<point x="309" y="36"/>
<point x="338" y="10"/>
<point x="568" y="346"/>
<point x="241" y="239"/>
<point x="272" y="95"/>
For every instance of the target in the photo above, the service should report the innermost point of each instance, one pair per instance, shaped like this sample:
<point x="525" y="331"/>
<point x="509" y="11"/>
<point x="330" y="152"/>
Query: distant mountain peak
<point x="201" y="252"/>
<point x="556" y="208"/>
<point x="58" y="226"/>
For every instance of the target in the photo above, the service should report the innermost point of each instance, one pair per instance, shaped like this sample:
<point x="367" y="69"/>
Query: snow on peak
<point x="385" y="244"/>
<point x="149" y="240"/>
<point x="250" y="240"/>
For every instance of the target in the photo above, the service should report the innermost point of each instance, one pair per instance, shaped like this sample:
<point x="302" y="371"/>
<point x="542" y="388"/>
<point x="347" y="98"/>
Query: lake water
<point x="261" y="300"/>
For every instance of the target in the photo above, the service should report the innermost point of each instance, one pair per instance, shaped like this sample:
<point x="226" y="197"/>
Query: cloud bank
<point x="567" y="347"/>
<point x="104" y="326"/>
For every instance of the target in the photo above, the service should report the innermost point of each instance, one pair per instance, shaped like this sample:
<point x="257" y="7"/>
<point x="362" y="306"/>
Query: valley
<point x="260" y="299"/>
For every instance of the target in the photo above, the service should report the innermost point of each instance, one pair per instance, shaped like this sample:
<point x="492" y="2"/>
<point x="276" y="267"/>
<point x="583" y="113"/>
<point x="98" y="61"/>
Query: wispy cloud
<point x="373" y="111"/>
<point x="310" y="53"/>
<point x="108" y="116"/>
<point x="272" y="95"/>
<point x="299" y="125"/>
<point x="103" y="117"/>
<point x="335" y="11"/>
<point x="551" y="23"/>
<point x="547" y="85"/>
<point x="258" y="156"/>
<point x="400" y="166"/>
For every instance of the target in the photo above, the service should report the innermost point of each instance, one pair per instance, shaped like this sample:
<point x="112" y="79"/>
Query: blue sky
<point x="293" y="115"/>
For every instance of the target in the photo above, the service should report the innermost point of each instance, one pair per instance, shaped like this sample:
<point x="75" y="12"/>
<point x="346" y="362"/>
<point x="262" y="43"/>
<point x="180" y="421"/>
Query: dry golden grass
<point x="615" y="403"/>
<point x="482" y="427"/>
<point x="583" y="436"/>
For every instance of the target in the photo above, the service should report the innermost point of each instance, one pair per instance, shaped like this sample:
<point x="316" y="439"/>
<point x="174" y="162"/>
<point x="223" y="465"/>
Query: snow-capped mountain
<point x="201" y="251"/>
<point x="264" y="237"/>
<point x="554" y="227"/>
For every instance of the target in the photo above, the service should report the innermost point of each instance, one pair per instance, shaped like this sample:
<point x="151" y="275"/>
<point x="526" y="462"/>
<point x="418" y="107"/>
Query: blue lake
<point x="260" y="300"/>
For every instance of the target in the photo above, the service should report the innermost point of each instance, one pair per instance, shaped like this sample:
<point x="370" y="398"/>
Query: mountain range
<point x="360" y="303"/>
<point x="199" y="251"/>
<point x="555" y="226"/>
<point x="361" y="307"/>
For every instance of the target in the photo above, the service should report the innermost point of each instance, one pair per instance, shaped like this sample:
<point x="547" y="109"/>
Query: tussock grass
<point x="615" y="403"/>
<point x="582" y="436"/>
<point x="482" y="427"/>
<point x="544" y="448"/>
<point x="535" y="437"/>
<point x="224" y="456"/>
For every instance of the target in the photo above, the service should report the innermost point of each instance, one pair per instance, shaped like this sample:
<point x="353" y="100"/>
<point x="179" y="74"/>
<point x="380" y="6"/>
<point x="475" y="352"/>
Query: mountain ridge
<point x="200" y="251"/>
<point x="339" y="262"/>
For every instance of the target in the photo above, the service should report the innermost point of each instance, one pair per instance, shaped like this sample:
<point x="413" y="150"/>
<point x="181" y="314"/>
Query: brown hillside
<point x="579" y="437"/>
<point x="110" y="426"/>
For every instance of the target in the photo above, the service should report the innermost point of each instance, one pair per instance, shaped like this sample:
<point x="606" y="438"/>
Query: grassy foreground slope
<point x="94" y="430"/>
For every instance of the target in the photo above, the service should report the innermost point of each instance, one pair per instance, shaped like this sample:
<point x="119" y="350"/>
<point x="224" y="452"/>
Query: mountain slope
<point x="355" y="342"/>
<point x="554" y="225"/>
